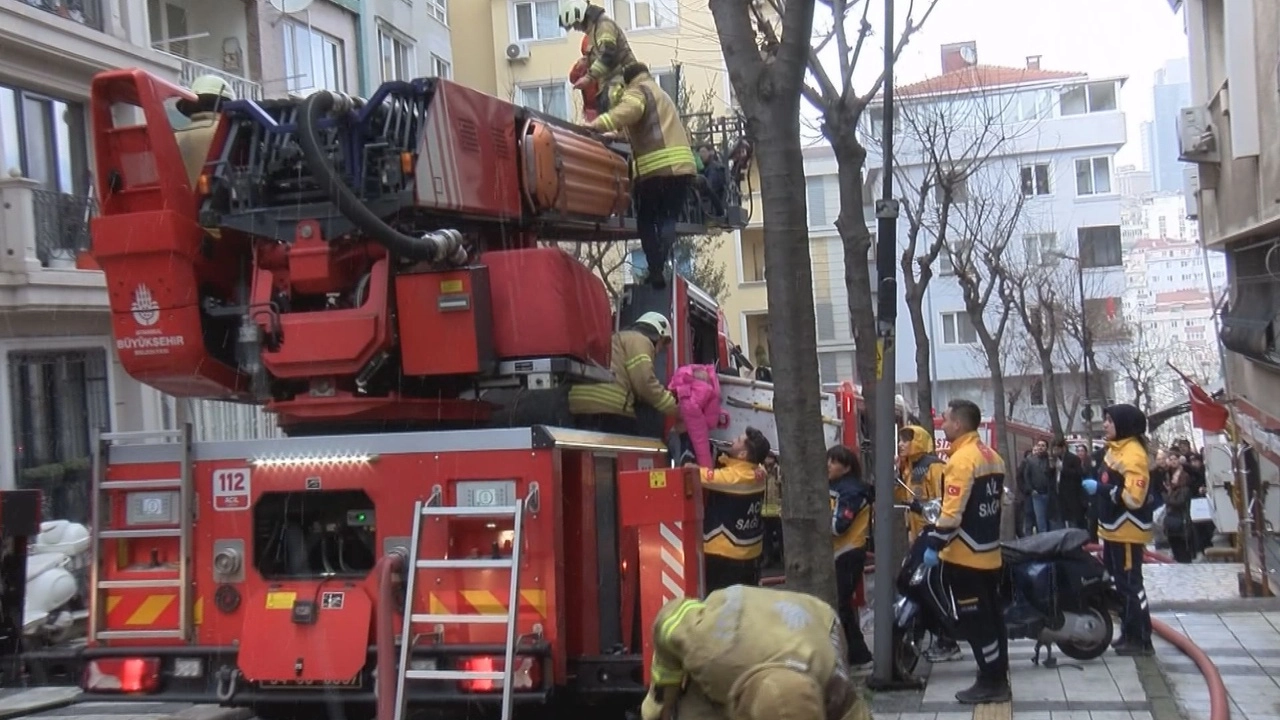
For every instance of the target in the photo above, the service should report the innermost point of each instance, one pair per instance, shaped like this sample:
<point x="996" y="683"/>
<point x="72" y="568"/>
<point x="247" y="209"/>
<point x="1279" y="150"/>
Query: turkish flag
<point x="1206" y="413"/>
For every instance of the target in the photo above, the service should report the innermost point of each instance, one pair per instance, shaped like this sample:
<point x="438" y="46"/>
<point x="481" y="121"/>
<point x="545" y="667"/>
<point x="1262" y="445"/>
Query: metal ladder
<point x="102" y="530"/>
<point x="415" y="565"/>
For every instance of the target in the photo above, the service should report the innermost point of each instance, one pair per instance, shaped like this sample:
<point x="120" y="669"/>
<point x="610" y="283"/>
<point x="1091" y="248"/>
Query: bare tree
<point x="1143" y="363"/>
<point x="1043" y="306"/>
<point x="766" y="52"/>
<point x="945" y="144"/>
<point x="986" y="225"/>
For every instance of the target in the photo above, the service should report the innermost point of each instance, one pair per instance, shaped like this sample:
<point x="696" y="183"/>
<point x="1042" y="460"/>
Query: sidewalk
<point x="1245" y="646"/>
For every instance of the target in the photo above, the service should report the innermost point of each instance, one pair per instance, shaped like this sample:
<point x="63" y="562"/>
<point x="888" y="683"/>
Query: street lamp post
<point x="1086" y="348"/>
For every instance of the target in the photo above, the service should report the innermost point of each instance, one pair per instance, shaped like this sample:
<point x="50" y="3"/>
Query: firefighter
<point x="664" y="164"/>
<point x="966" y="541"/>
<point x="605" y="49"/>
<point x="1124" y="520"/>
<point x="732" y="530"/>
<point x="851" y="502"/>
<point x="195" y="139"/>
<point x="610" y="407"/>
<point x="750" y="653"/>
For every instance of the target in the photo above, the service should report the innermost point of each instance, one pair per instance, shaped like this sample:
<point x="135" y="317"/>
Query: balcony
<point x="84" y="12"/>
<point x="43" y="236"/>
<point x="244" y="88"/>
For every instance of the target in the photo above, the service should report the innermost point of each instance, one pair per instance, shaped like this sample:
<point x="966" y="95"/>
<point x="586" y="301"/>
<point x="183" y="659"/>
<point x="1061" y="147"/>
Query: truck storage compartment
<point x="546" y="304"/>
<point x="572" y="175"/>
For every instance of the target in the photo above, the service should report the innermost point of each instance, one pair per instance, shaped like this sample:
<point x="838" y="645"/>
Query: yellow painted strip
<point x="536" y="598"/>
<point x="437" y="606"/>
<point x="281" y="600"/>
<point x="485" y="602"/>
<point x="993" y="711"/>
<point x="112" y="602"/>
<point x="198" y="612"/>
<point x="150" y="609"/>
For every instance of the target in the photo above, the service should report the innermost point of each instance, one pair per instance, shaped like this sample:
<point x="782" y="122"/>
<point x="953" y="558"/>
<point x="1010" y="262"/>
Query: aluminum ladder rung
<point x="473" y="619"/>
<point x="496" y="512"/>
<point x="465" y="564"/>
<point x="139" y="584"/>
<point x="175" y="484"/>
<point x="453" y="675"/>
<point x="138" y="634"/>
<point x="160" y="533"/>
<point x="141" y="435"/>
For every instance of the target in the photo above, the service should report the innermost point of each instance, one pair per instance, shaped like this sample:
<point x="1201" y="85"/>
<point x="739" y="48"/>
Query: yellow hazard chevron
<point x="486" y="602"/>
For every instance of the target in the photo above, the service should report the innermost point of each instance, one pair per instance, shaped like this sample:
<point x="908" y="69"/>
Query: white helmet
<point x="572" y="12"/>
<point x="658" y="322"/>
<point x="212" y="85"/>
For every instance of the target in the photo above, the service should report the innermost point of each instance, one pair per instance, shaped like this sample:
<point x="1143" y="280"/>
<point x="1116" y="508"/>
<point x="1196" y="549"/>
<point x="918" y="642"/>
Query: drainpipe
<point x="364" y="19"/>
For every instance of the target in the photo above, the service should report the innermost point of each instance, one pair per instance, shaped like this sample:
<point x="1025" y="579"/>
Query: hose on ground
<point x="437" y="247"/>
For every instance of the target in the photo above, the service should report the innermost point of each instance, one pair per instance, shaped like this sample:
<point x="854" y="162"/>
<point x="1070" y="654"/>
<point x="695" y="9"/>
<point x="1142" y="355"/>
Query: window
<point x="552" y="99"/>
<point x="168" y="21"/>
<point x="946" y="261"/>
<point x="1034" y="105"/>
<point x="669" y="81"/>
<point x="751" y="247"/>
<point x="58" y="401"/>
<point x="1035" y="394"/>
<point x="1040" y="247"/>
<point x="1093" y="176"/>
<point x="1035" y="180"/>
<point x="959" y="187"/>
<point x="1099" y="246"/>
<point x="538" y="20"/>
<point x="828" y="368"/>
<point x="683" y="261"/>
<point x="817" y="199"/>
<point x="441" y="68"/>
<point x="1091" y="98"/>
<point x="957" y="329"/>
<point x="439" y="9"/>
<point x="825" y="313"/>
<point x="397" y="55"/>
<point x="312" y="60"/>
<point x="1104" y="317"/>
<point x="644" y="14"/>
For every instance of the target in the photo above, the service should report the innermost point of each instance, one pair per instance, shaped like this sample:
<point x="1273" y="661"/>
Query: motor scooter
<point x="55" y="610"/>
<point x="1052" y="591"/>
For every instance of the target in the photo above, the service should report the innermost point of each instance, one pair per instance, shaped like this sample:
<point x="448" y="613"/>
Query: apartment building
<point x="1229" y="133"/>
<point x="1065" y="171"/>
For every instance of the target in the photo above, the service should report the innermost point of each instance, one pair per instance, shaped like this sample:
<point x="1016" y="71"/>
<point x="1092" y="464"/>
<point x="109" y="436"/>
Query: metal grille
<point x="61" y="224"/>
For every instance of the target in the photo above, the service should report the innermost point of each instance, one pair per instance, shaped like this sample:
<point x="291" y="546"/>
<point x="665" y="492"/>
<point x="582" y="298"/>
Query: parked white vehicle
<point x="55" y="608"/>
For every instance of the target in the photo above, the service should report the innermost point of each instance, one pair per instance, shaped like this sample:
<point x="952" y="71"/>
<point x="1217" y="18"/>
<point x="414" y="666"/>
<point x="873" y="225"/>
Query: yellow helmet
<point x="212" y="85"/>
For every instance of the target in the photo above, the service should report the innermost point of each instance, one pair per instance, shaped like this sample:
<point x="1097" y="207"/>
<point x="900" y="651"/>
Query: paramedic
<point x="605" y="48"/>
<point x="966" y="540"/>
<point x="732" y="530"/>
<point x="851" y="503"/>
<point x="750" y="653"/>
<point x="194" y="139"/>
<point x="664" y="163"/>
<point x="611" y="407"/>
<point x="1124" y="520"/>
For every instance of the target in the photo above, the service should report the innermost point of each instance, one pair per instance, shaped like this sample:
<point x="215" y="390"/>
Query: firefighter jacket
<point x="607" y="50"/>
<point x="194" y="141"/>
<point x="922" y="471"/>
<point x="968" y="532"/>
<point x="731" y="525"/>
<point x="652" y="122"/>
<point x="751" y="653"/>
<point x="633" y="378"/>
<point x="1124" y="507"/>
<point x="851" y="503"/>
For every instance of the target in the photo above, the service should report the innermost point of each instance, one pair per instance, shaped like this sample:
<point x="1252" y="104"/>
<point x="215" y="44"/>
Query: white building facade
<point x="1063" y="132"/>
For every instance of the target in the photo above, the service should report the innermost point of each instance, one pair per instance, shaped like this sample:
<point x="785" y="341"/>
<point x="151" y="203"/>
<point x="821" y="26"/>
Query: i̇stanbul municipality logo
<point x="146" y="311"/>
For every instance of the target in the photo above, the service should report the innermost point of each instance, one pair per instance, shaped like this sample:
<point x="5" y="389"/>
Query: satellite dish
<point x="289" y="7"/>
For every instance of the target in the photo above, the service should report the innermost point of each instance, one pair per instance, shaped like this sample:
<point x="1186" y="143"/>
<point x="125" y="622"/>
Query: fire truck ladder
<point x="103" y="492"/>
<point x="415" y="565"/>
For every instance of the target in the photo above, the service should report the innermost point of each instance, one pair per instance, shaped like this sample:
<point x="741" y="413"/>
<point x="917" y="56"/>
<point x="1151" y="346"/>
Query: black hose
<point x="436" y="247"/>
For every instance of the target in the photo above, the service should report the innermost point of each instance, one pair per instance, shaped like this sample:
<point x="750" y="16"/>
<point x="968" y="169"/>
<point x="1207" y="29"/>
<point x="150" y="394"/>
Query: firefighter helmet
<point x="212" y="85"/>
<point x="658" y="322"/>
<point x="573" y="12"/>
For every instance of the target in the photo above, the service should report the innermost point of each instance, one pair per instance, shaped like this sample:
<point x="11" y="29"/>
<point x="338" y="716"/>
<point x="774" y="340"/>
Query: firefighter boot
<point x="986" y="690"/>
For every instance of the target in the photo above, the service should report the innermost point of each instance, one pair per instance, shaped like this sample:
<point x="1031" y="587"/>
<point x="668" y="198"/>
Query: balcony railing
<point x="61" y="226"/>
<point x="85" y="12"/>
<point x="244" y="89"/>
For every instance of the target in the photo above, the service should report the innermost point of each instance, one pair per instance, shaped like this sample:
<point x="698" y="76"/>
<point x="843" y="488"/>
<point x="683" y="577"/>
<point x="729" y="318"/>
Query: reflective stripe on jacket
<point x="731" y="526"/>
<point x="968" y="532"/>
<point x="851" y="501"/>
<point x="1125" y="509"/>
<point x="634" y="378"/>
<point x="607" y="50"/>
<point x="649" y="116"/>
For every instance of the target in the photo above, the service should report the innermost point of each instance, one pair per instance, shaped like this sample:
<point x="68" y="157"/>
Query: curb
<point x="37" y="700"/>
<point x="212" y="712"/>
<point x="1271" y="604"/>
<point x="1160" y="698"/>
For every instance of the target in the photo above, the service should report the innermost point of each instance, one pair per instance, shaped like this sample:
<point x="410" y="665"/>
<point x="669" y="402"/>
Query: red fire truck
<point x="377" y="274"/>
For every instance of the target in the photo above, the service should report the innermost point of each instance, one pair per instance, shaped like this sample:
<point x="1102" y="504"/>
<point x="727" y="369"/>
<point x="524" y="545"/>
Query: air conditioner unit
<point x="1197" y="139"/>
<point x="517" y="52"/>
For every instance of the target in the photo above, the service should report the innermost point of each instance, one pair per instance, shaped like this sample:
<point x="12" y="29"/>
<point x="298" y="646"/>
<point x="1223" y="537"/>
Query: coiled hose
<point x="437" y="247"/>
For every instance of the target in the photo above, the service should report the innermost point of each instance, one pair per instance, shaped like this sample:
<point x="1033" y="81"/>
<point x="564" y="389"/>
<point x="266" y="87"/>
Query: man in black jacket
<point x="1036" y="482"/>
<point x="1071" y="497"/>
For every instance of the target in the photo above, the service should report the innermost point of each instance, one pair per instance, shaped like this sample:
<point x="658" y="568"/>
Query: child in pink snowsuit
<point x="698" y="390"/>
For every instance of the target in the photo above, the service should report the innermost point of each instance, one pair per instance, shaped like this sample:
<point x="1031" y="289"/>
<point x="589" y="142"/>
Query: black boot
<point x="986" y="690"/>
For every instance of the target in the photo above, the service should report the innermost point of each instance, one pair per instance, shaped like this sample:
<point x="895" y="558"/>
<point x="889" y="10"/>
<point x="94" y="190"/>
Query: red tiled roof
<point x="978" y="77"/>
<point x="1182" y="296"/>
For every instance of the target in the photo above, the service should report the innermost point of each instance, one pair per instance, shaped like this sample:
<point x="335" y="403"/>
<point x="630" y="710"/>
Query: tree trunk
<point x="1008" y="521"/>
<point x="924" y="370"/>
<point x="1050" y="379"/>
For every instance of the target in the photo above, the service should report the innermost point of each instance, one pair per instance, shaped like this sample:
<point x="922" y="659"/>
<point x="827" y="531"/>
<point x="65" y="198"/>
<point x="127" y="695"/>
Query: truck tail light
<point x="125" y="675"/>
<point x="527" y="674"/>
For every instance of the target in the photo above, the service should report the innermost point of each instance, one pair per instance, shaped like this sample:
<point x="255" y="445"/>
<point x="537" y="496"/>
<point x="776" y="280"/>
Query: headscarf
<point x="1129" y="422"/>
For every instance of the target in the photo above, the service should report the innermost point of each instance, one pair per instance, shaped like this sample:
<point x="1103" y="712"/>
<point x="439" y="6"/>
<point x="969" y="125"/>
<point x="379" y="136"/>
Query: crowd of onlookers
<point x="1050" y="494"/>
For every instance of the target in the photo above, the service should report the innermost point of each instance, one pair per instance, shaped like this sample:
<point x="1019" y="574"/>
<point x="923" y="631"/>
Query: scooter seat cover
<point x="1045" y="545"/>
